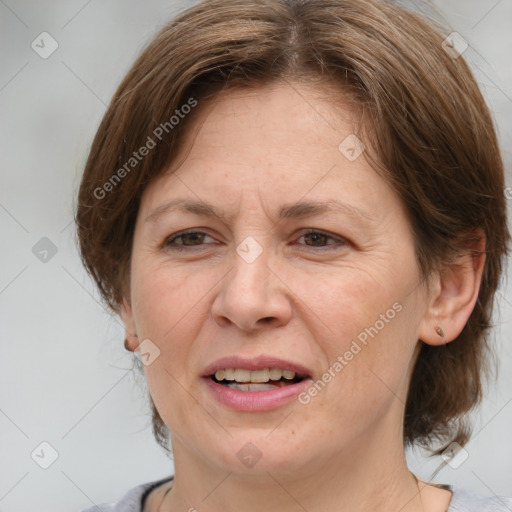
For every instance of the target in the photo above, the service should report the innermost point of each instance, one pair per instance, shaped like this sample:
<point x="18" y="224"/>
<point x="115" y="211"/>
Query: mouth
<point x="256" y="380"/>
<point x="260" y="384"/>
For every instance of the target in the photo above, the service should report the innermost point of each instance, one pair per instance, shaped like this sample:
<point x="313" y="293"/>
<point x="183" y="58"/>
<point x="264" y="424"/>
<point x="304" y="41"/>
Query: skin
<point x="305" y="298"/>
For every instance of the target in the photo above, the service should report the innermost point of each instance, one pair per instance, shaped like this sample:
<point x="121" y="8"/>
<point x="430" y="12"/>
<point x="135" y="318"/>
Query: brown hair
<point x="426" y="127"/>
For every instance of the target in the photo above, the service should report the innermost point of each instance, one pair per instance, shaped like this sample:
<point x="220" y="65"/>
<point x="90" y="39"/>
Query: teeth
<point x="255" y="376"/>
<point x="242" y="375"/>
<point x="275" y="373"/>
<point x="251" y="387"/>
<point x="260" y="375"/>
<point x="229" y="374"/>
<point x="287" y="374"/>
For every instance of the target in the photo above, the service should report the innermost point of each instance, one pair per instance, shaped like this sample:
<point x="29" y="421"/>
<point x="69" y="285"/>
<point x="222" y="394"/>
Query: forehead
<point x="281" y="143"/>
<point x="281" y="114"/>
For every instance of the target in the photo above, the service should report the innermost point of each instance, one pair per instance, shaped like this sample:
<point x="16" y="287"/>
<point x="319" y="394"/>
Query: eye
<point x="319" y="239"/>
<point x="187" y="239"/>
<point x="314" y="239"/>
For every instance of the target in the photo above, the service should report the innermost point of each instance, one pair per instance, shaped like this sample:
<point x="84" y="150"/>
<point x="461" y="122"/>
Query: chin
<point x="259" y="451"/>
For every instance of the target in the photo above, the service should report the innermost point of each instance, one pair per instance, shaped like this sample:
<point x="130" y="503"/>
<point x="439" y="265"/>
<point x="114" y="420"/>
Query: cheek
<point x="167" y="310"/>
<point x="370" y="325"/>
<point x="163" y="298"/>
<point x="167" y="305"/>
<point x="345" y="302"/>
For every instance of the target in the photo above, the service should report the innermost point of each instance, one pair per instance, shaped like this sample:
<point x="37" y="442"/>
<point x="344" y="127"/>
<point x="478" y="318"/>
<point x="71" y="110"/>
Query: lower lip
<point x="256" y="400"/>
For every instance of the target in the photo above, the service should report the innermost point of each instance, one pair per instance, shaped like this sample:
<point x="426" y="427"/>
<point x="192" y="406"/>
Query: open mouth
<point x="256" y="380"/>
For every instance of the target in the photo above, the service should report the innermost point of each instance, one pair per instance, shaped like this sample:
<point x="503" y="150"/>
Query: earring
<point x="439" y="331"/>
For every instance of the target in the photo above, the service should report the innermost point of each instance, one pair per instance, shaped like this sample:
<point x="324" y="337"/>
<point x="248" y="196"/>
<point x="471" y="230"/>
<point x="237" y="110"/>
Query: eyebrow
<point x="287" y="211"/>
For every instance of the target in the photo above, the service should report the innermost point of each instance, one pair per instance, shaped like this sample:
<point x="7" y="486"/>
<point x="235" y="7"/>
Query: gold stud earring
<point x="439" y="331"/>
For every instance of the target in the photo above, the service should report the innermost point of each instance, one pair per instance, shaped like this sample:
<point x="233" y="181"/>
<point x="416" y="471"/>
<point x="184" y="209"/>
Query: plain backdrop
<point x="65" y="378"/>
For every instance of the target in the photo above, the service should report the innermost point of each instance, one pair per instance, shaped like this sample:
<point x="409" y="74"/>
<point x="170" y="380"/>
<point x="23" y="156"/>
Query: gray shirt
<point x="462" y="501"/>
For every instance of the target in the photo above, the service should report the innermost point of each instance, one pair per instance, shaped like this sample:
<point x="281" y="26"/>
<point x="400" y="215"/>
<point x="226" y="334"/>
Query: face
<point x="330" y="290"/>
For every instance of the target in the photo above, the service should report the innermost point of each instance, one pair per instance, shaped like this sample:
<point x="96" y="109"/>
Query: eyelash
<point x="167" y="244"/>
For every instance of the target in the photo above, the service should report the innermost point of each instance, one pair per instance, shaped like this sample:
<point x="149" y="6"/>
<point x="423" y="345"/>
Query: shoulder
<point x="132" y="501"/>
<point x="468" y="501"/>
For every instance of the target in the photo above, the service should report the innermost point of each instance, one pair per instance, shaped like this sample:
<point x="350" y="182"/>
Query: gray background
<point x="64" y="375"/>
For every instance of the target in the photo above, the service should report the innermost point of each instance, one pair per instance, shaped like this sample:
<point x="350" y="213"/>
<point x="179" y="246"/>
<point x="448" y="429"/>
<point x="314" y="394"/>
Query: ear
<point x="131" y="342"/>
<point x="453" y="294"/>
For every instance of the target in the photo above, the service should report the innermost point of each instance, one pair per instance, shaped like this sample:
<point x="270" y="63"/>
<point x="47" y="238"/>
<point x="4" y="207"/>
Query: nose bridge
<point x="250" y="292"/>
<point x="250" y="263"/>
<point x="248" y="280"/>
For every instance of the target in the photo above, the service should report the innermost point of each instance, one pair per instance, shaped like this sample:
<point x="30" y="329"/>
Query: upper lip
<point x="255" y="363"/>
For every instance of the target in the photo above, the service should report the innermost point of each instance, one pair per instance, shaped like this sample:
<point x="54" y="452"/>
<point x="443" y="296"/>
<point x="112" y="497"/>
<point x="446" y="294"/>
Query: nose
<point x="253" y="296"/>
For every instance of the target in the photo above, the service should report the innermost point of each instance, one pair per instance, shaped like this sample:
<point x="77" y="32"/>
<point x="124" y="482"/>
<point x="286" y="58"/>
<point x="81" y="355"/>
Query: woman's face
<point x="332" y="292"/>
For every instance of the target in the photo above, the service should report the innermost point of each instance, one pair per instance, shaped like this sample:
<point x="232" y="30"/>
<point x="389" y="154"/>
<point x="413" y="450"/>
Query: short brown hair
<point x="426" y="126"/>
